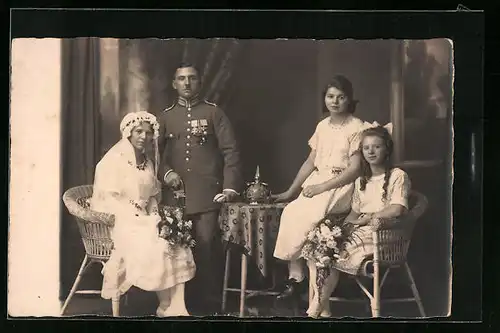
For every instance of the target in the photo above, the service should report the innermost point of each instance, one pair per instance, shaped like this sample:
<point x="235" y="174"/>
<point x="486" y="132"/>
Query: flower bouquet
<point x="325" y="243"/>
<point x="174" y="228"/>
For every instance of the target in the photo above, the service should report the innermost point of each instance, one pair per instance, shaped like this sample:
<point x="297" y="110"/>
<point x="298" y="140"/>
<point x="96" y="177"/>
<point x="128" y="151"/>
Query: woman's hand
<point x="312" y="190"/>
<point x="282" y="197"/>
<point x="362" y="220"/>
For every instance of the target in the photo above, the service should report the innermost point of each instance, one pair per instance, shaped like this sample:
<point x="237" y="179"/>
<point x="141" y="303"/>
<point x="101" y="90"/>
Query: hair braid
<point x="387" y="175"/>
<point x="366" y="173"/>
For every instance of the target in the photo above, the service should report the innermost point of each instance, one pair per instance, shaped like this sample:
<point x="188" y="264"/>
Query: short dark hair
<point x="186" y="65"/>
<point x="343" y="84"/>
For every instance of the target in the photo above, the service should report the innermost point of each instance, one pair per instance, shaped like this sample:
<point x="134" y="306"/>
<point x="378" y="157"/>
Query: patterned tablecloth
<point x="255" y="227"/>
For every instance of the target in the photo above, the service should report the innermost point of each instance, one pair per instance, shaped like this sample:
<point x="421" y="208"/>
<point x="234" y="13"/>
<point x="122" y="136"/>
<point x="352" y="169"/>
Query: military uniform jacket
<point x="198" y="143"/>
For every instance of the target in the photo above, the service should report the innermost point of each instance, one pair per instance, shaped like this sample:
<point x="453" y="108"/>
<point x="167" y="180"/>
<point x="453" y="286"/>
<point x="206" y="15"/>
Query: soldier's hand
<point x="173" y="180"/>
<point x="230" y="195"/>
<point x="225" y="196"/>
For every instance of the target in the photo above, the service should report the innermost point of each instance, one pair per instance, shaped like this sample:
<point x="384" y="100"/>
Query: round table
<point x="254" y="227"/>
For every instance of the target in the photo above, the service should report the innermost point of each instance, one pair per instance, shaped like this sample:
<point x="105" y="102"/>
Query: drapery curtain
<point x="80" y="139"/>
<point x="145" y="72"/>
<point x="216" y="60"/>
<point x="92" y="109"/>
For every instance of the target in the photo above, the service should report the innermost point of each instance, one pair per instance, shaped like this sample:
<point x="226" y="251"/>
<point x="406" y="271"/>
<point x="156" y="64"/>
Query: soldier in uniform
<point x="200" y="153"/>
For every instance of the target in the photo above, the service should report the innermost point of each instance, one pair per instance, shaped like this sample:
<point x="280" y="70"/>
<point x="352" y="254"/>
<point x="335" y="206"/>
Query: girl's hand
<point x="282" y="197"/>
<point x="362" y="220"/>
<point x="311" y="191"/>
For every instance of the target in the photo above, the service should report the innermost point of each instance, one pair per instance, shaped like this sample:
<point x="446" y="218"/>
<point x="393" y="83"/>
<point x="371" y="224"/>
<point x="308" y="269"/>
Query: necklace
<point x="338" y="126"/>
<point x="142" y="166"/>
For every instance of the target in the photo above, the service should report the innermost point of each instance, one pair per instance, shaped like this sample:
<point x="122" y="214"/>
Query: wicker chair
<point x="392" y="243"/>
<point x="94" y="229"/>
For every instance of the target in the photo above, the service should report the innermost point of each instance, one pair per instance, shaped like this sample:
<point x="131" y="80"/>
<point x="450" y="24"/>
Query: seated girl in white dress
<point x="381" y="193"/>
<point x="325" y="180"/>
<point x="126" y="186"/>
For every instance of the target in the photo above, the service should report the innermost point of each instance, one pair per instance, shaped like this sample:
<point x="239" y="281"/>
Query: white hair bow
<point x="388" y="126"/>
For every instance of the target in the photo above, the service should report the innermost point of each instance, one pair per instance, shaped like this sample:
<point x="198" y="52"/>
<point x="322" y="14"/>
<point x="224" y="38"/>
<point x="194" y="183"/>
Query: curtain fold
<point x="80" y="138"/>
<point x="215" y="59"/>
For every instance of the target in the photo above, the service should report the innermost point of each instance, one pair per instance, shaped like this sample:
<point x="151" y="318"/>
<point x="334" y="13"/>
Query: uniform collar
<point x="188" y="103"/>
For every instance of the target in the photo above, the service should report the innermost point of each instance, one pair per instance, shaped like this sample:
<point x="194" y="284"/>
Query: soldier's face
<point x="186" y="82"/>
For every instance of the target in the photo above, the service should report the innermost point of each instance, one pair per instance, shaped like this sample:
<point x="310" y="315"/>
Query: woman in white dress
<point x="126" y="186"/>
<point x="380" y="194"/>
<point x="325" y="180"/>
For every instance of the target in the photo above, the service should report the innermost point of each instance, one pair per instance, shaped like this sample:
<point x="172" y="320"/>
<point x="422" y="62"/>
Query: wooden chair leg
<point x="226" y="279"/>
<point x="83" y="268"/>
<point x="414" y="290"/>
<point x="243" y="284"/>
<point x="375" y="300"/>
<point x="115" y="304"/>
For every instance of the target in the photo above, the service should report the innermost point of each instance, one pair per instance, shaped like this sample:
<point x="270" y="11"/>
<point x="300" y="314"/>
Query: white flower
<point x="325" y="260"/>
<point x="331" y="243"/>
<point x="336" y="231"/>
<point x="310" y="236"/>
<point x="328" y="222"/>
<point x="189" y="224"/>
<point x="325" y="232"/>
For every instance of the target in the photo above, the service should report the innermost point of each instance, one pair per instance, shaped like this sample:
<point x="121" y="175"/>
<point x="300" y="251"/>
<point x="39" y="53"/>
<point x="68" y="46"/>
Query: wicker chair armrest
<point x="88" y="215"/>
<point x="399" y="223"/>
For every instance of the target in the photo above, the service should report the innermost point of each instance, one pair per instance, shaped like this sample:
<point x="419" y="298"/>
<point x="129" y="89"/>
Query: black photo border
<point x="467" y="31"/>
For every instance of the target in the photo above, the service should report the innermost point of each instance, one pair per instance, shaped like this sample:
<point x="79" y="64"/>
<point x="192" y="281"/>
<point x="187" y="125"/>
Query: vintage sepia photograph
<point x="252" y="178"/>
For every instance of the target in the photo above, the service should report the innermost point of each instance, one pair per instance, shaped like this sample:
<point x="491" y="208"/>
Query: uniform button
<point x="187" y="151"/>
<point x="188" y="169"/>
<point x="189" y="129"/>
<point x="189" y="137"/>
<point x="189" y="115"/>
<point x="189" y="108"/>
<point x="188" y="144"/>
<point x="187" y="159"/>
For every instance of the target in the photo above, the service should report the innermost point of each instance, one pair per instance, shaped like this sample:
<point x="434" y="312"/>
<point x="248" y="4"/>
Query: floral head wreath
<point x="134" y="119"/>
<point x="388" y="126"/>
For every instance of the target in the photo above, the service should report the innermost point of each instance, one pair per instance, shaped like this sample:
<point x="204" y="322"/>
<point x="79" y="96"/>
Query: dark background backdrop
<point x="275" y="103"/>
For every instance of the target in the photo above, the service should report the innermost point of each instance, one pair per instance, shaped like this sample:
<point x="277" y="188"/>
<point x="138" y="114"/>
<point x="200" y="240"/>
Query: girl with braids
<point x="380" y="193"/>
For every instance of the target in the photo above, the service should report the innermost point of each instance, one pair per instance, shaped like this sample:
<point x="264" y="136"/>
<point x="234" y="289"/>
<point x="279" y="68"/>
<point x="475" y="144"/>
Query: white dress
<point x="370" y="201"/>
<point x="140" y="257"/>
<point x="334" y="146"/>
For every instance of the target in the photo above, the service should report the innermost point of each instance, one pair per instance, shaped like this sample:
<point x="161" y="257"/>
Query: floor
<point x="143" y="304"/>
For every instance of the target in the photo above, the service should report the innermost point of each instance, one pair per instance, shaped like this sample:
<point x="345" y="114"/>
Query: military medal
<point x="204" y="127"/>
<point x="199" y="130"/>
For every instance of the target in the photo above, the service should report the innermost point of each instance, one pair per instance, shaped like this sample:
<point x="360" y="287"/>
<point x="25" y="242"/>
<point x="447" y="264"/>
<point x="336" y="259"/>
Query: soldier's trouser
<point x="204" y="291"/>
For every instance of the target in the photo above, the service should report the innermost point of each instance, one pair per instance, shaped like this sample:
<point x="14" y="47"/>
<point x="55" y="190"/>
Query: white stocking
<point x="320" y="307"/>
<point x="296" y="269"/>
<point x="177" y="305"/>
<point x="164" y="297"/>
<point x="327" y="290"/>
